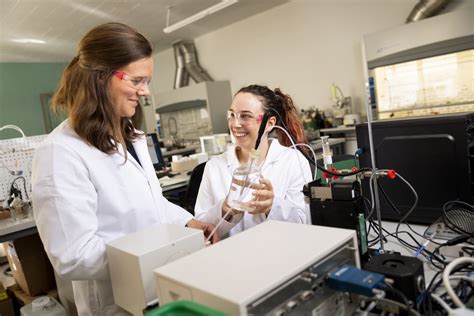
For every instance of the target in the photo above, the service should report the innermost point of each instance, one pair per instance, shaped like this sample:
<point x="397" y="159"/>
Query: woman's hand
<point x="206" y="227"/>
<point x="263" y="198"/>
<point x="231" y="215"/>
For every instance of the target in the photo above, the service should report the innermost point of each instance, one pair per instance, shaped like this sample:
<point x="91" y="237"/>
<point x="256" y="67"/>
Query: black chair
<point x="193" y="187"/>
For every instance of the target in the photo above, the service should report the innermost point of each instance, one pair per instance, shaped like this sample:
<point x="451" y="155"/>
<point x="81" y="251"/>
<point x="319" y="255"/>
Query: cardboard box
<point x="29" y="264"/>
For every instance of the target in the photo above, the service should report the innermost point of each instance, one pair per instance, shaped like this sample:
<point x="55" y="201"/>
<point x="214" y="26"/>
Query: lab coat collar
<point x="231" y="157"/>
<point x="141" y="149"/>
<point x="275" y="152"/>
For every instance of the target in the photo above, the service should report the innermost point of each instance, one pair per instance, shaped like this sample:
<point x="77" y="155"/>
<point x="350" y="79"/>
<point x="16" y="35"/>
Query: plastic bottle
<point x="245" y="180"/>
<point x="43" y="306"/>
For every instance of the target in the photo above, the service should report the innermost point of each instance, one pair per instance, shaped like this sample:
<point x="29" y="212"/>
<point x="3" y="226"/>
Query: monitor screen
<point x="155" y="151"/>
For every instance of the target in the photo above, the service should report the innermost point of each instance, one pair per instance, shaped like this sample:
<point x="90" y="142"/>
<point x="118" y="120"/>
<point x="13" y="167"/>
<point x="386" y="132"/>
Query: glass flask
<point x="245" y="180"/>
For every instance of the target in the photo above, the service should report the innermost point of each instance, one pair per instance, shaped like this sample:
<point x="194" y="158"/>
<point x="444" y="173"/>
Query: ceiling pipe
<point x="425" y="9"/>
<point x="181" y="77"/>
<point x="185" y="51"/>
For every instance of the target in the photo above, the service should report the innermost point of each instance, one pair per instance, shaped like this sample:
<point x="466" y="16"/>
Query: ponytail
<point x="291" y="119"/>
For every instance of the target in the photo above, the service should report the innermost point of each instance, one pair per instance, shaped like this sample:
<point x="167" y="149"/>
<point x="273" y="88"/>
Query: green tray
<point x="183" y="308"/>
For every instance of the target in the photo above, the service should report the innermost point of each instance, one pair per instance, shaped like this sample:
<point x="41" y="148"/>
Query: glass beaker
<point x="19" y="209"/>
<point x="245" y="180"/>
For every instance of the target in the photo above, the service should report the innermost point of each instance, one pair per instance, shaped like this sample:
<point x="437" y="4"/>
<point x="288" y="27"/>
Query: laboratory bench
<point x="348" y="133"/>
<point x="11" y="229"/>
<point x="186" y="151"/>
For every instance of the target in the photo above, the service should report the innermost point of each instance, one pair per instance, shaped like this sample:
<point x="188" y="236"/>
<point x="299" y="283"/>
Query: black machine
<point x="339" y="205"/>
<point x="406" y="272"/>
<point x="435" y="154"/>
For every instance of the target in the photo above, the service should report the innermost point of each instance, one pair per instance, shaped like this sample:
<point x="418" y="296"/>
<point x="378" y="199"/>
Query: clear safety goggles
<point x="135" y="82"/>
<point x="243" y="117"/>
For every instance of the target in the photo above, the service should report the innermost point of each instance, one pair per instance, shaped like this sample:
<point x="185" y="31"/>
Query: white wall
<point x="302" y="47"/>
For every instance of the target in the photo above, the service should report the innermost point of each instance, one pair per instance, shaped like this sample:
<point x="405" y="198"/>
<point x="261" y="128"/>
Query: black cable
<point x="314" y="163"/>
<point x="392" y="205"/>
<point x="12" y="185"/>
<point x="468" y="250"/>
<point x="427" y="254"/>
<point x="261" y="129"/>
<point x="401" y="295"/>
<point x="412" y="208"/>
<point x="454" y="241"/>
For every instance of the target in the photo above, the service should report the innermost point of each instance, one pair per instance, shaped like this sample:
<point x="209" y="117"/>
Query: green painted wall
<point x="20" y="87"/>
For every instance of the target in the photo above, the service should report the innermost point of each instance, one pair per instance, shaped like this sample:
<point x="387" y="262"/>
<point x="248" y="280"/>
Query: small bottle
<point x="19" y="209"/>
<point x="245" y="180"/>
<point x="327" y="154"/>
<point x="43" y="306"/>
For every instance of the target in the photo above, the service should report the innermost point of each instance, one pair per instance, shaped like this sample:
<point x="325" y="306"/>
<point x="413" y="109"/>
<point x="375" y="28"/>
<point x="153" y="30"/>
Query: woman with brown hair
<point x="284" y="170"/>
<point x="93" y="179"/>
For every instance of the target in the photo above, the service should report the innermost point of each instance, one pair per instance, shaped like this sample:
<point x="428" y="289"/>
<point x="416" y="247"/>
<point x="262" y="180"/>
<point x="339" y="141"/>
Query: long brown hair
<point x="83" y="92"/>
<point x="280" y="105"/>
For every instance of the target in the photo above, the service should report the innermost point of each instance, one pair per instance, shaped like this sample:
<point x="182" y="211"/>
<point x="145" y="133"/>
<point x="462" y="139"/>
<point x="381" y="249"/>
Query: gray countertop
<point x="340" y="129"/>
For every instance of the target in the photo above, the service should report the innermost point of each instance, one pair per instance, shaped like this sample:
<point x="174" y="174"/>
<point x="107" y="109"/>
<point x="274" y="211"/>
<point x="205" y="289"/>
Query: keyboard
<point x="167" y="181"/>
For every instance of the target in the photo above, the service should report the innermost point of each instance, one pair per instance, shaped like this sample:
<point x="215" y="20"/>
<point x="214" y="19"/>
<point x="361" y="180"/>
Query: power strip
<point x="454" y="251"/>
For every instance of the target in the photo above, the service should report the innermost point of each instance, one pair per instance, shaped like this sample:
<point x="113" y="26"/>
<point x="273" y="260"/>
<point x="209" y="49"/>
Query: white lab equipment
<point x="132" y="259"/>
<point x="270" y="266"/>
<point x="183" y="164"/>
<point x="201" y="157"/>
<point x="214" y="144"/>
<point x="43" y="306"/>
<point x="352" y="119"/>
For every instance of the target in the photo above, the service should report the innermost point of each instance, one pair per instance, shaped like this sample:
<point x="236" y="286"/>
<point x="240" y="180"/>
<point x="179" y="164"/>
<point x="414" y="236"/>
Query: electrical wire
<point x="442" y="303"/>
<point x="314" y="155"/>
<point x="293" y="145"/>
<point x="392" y="205"/>
<point x="412" y="208"/>
<point x="429" y="256"/>
<point x="395" y="303"/>
<point x="446" y="274"/>
<point x="399" y="294"/>
<point x="314" y="162"/>
<point x="12" y="185"/>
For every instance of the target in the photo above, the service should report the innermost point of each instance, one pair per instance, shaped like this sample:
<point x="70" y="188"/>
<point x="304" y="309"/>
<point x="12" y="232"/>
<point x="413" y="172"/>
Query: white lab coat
<point x="281" y="167"/>
<point x="83" y="198"/>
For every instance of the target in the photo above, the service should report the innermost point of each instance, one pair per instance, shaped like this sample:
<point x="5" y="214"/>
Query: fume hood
<point x="423" y="68"/>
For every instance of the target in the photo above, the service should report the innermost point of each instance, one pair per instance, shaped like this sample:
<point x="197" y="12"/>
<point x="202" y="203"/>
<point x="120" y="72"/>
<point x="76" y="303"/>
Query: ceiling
<point x="62" y="23"/>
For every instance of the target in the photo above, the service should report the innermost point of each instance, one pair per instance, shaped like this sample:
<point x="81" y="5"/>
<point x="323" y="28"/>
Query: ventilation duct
<point x="187" y="65"/>
<point x="181" y="78"/>
<point x="425" y="9"/>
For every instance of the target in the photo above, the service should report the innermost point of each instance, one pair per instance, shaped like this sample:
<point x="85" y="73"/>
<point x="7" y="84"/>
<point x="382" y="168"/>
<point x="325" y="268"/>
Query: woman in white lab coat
<point x="284" y="170"/>
<point x="93" y="179"/>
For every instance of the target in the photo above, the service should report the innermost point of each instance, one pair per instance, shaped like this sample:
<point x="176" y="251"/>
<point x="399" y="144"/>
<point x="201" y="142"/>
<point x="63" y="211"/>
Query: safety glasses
<point x="135" y="82"/>
<point x="245" y="117"/>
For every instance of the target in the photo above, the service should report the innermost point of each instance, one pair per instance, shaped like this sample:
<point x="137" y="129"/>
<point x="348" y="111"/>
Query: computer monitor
<point x="435" y="154"/>
<point x="155" y="151"/>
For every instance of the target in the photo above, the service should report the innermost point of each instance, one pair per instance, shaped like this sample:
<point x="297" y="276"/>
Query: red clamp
<point x="330" y="176"/>
<point x="391" y="174"/>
